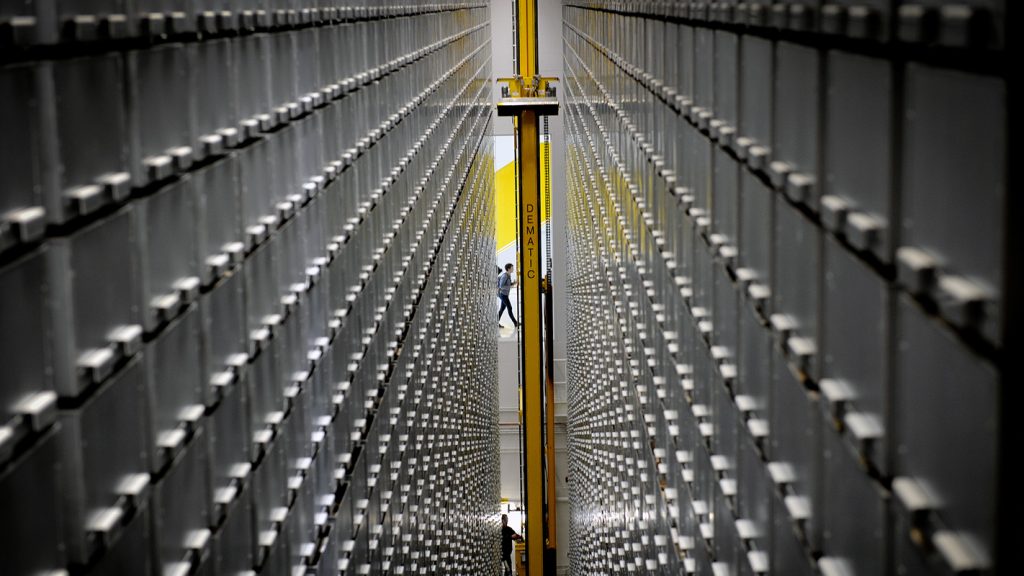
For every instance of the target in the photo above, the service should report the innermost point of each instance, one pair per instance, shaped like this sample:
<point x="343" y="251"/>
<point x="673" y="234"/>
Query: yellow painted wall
<point x="505" y="200"/>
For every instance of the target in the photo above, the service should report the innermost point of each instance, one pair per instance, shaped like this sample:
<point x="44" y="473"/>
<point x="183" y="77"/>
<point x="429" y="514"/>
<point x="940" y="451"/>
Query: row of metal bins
<point x="751" y="97"/>
<point x="189" y="381"/>
<point x="144" y="115"/>
<point x="814" y="402"/>
<point x="47" y="22"/>
<point x="152" y="256"/>
<point x="406" y="515"/>
<point x="128" y="273"/>
<point x="377" y="319"/>
<point x="400" y="521"/>
<point x="100" y="160"/>
<point x="667" y="433"/>
<point x="85" y="130"/>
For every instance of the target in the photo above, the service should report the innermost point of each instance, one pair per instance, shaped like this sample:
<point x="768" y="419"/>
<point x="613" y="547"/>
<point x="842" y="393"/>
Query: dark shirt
<point x="506" y="540"/>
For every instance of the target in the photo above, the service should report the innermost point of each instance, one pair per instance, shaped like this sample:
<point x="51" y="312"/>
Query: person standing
<point x="505" y="284"/>
<point x="507" y="536"/>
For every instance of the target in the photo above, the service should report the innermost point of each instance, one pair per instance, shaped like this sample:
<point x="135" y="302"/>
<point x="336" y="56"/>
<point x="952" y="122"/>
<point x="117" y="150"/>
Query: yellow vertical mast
<point x="527" y="98"/>
<point x="530" y="292"/>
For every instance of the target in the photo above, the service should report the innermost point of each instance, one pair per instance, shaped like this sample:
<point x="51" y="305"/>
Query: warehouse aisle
<point x="247" y="294"/>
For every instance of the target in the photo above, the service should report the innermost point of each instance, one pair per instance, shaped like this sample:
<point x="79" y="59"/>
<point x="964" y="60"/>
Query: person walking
<point x="505" y="284"/>
<point x="507" y="536"/>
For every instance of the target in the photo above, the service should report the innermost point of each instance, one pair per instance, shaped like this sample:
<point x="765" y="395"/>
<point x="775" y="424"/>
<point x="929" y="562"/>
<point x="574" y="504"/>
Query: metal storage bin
<point x="176" y="388"/>
<point x="181" y="515"/>
<point x="234" y="542"/>
<point x="794" y="168"/>
<point x="92" y="136"/>
<point x="166" y="231"/>
<point x="270" y="499"/>
<point x="29" y="499"/>
<point x="220" y="220"/>
<point x="160" y="105"/>
<point x="28" y="399"/>
<point x="131" y="554"/>
<point x="861" y="546"/>
<point x="954" y="463"/>
<point x="228" y="432"/>
<point x="214" y="73"/>
<point x="965" y="278"/>
<point x="252" y="60"/>
<point x="96" y="290"/>
<point x="796" y="293"/>
<point x="92" y="19"/>
<point x="257" y="166"/>
<point x="27" y="152"/>
<point x="224" y="338"/>
<point x="105" y="477"/>
<point x="27" y="23"/>
<point x="854" y="384"/>
<point x="859" y="151"/>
